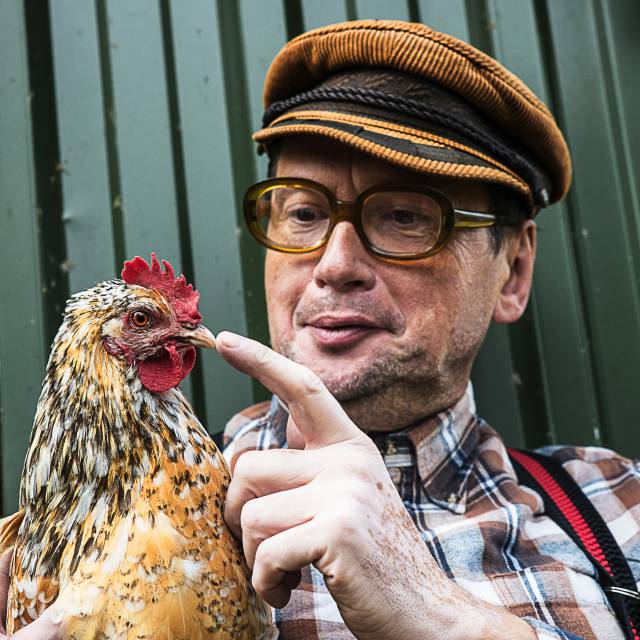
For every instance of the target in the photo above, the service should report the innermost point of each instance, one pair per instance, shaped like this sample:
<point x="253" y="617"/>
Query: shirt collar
<point x="442" y="448"/>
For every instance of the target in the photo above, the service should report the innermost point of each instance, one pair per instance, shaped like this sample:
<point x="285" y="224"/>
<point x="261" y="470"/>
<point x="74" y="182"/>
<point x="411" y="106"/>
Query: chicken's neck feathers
<point x="98" y="432"/>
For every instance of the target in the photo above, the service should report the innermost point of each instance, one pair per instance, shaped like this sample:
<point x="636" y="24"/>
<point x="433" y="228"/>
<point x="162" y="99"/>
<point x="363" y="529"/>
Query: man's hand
<point x="44" y="628"/>
<point x="334" y="505"/>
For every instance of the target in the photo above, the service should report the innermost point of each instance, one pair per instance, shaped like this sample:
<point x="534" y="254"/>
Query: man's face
<point x="392" y="341"/>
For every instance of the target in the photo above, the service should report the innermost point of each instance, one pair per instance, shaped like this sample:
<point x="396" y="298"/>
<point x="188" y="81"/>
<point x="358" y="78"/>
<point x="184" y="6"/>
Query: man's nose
<point x="345" y="263"/>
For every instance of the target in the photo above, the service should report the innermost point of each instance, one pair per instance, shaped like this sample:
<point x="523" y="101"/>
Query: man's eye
<point x="405" y="218"/>
<point x="140" y="318"/>
<point x="304" y="214"/>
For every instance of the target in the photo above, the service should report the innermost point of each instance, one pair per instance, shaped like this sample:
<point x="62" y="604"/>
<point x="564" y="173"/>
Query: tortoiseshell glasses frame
<point x="417" y="221"/>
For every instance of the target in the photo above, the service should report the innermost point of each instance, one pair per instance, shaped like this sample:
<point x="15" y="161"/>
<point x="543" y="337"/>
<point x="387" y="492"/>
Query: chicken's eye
<point x="140" y="318"/>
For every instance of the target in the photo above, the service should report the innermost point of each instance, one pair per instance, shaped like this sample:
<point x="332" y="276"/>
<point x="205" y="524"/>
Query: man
<point x="418" y="529"/>
<point x="372" y="502"/>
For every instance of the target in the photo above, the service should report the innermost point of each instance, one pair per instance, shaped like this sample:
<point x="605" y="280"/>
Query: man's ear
<point x="520" y="256"/>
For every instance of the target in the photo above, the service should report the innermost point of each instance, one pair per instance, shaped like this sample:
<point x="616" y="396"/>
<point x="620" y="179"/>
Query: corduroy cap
<point x="417" y="98"/>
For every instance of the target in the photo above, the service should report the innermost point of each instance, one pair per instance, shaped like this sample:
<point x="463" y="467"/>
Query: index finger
<point x="317" y="414"/>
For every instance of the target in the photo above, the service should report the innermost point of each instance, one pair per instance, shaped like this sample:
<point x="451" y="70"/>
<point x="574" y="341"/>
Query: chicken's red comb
<point x="181" y="296"/>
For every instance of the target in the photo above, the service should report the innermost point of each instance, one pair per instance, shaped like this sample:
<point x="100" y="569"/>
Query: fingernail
<point x="230" y="340"/>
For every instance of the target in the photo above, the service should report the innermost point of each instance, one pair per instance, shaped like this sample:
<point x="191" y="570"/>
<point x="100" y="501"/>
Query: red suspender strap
<point x="567" y="505"/>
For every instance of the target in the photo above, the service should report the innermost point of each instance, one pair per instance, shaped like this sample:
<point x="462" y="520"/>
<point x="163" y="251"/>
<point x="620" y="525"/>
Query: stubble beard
<point x="383" y="367"/>
<point x="378" y="374"/>
<point x="388" y="392"/>
<point x="394" y="386"/>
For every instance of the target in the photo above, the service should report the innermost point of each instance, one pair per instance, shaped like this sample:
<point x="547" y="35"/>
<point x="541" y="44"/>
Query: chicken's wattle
<point x="167" y="368"/>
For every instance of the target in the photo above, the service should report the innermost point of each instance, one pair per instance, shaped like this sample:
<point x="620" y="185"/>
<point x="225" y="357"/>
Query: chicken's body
<point x="122" y="496"/>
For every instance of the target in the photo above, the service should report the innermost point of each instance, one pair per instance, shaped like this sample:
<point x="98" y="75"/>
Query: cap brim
<point x="414" y="148"/>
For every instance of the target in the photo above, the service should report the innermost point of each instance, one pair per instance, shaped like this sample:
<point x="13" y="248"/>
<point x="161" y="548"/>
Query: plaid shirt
<point x="486" y="532"/>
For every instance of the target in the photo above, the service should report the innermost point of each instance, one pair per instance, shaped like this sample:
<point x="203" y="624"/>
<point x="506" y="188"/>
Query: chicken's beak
<point x="198" y="337"/>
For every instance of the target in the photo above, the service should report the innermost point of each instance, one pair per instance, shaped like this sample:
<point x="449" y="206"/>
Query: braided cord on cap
<point x="413" y="48"/>
<point x="412" y="107"/>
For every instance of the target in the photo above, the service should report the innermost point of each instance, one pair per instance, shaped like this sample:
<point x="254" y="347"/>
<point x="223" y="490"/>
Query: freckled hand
<point x="334" y="505"/>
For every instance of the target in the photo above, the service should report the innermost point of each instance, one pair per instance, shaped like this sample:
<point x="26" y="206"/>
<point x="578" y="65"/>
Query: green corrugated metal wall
<point x="124" y="127"/>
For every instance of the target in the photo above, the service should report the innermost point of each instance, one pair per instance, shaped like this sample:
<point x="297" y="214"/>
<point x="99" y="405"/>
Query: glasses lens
<point x="400" y="222"/>
<point x="293" y="217"/>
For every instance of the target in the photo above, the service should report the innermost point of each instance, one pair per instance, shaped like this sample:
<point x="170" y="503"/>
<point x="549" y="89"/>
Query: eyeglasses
<point x="295" y="215"/>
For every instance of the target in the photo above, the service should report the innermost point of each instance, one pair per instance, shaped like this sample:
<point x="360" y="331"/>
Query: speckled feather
<point x="121" y="500"/>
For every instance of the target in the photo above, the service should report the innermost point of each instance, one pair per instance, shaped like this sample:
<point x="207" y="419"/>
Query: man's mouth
<point x="342" y="331"/>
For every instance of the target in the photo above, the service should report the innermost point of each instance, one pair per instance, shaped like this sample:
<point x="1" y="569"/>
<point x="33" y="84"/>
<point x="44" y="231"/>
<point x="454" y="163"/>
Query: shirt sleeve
<point x="545" y="631"/>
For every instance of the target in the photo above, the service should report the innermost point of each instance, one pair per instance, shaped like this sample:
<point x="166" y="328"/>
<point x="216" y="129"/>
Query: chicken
<point x="122" y="490"/>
